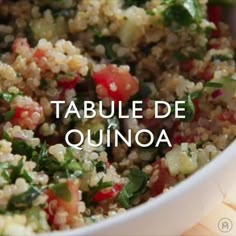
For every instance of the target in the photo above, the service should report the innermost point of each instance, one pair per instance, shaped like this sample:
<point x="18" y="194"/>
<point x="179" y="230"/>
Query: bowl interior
<point x="209" y="185"/>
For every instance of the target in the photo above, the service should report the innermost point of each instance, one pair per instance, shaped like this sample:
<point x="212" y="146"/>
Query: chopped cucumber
<point x="132" y="29"/>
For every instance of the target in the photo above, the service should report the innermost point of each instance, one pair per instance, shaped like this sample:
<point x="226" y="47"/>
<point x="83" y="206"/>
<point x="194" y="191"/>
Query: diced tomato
<point x="178" y="139"/>
<point x="217" y="93"/>
<point x="207" y="74"/>
<point x="187" y="66"/>
<point x="197" y="110"/>
<point x="55" y="202"/>
<point x="215" y="15"/>
<point x="39" y="53"/>
<point x="164" y="180"/>
<point x="68" y="83"/>
<point x="216" y="33"/>
<point x="108" y="194"/>
<point x="214" y="45"/>
<point x="116" y="84"/>
<point x="28" y="117"/>
<point x="20" y="43"/>
<point x="228" y="115"/>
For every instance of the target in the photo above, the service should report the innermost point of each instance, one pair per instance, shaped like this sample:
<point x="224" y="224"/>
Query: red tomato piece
<point x="118" y="85"/>
<point x="20" y="43"/>
<point x="228" y="115"/>
<point x="39" y="53"/>
<point x="187" y="66"/>
<point x="197" y="110"/>
<point x="206" y="75"/>
<point x="108" y="194"/>
<point x="215" y="15"/>
<point x="68" y="83"/>
<point x="55" y="202"/>
<point x="28" y="117"/>
<point x="216" y="33"/>
<point x="214" y="45"/>
<point x="178" y="139"/>
<point x="163" y="181"/>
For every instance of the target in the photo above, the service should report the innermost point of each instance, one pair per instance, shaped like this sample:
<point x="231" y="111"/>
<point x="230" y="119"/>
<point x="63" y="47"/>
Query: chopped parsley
<point x="182" y="12"/>
<point x="69" y="168"/>
<point x="22" y="148"/>
<point x="88" y="196"/>
<point x="221" y="58"/>
<point x="108" y="43"/>
<point x="9" y="114"/>
<point x="101" y="167"/>
<point x="135" y="187"/>
<point x="24" y="200"/>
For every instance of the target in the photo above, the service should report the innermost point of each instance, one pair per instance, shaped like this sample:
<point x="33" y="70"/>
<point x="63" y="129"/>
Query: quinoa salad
<point x="106" y="50"/>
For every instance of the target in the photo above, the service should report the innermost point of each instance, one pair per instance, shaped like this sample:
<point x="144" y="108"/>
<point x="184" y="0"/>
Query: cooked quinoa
<point x="106" y="50"/>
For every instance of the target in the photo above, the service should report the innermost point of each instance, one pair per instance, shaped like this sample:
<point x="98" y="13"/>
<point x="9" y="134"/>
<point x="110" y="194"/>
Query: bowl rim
<point x="195" y="180"/>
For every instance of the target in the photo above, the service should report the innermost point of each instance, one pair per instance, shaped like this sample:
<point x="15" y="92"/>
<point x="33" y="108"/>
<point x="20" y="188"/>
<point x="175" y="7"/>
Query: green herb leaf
<point x="4" y="165"/>
<point x="135" y="187"/>
<point x="199" y="54"/>
<point x="69" y="168"/>
<point x="221" y="58"/>
<point x="23" y="201"/>
<point x="27" y="176"/>
<point x="88" y="196"/>
<point x="194" y="9"/>
<point x="3" y="212"/>
<point x="6" y="175"/>
<point x="108" y="43"/>
<point x="16" y="170"/>
<point x="45" y="162"/>
<point x="150" y="12"/>
<point x="190" y="109"/>
<point x="183" y="12"/>
<point x="177" y="13"/>
<point x="9" y="115"/>
<point x="101" y="185"/>
<point x="22" y="148"/>
<point x="196" y="94"/>
<point x="6" y="136"/>
<point x="214" y="85"/>
<point x="43" y="84"/>
<point x="101" y="167"/>
<point x="8" y="97"/>
<point x="62" y="191"/>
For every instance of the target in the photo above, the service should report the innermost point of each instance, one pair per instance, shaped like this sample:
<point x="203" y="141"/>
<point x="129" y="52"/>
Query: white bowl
<point x="179" y="209"/>
<point x="175" y="211"/>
